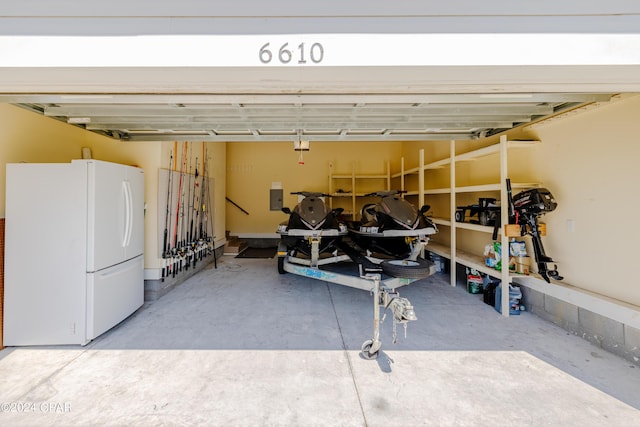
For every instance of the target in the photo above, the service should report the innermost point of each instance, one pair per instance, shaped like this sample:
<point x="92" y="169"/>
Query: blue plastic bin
<point x="515" y="295"/>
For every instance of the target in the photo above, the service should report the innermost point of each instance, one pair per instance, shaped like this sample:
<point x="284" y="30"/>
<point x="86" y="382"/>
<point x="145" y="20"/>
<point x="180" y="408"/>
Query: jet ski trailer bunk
<point x="381" y="277"/>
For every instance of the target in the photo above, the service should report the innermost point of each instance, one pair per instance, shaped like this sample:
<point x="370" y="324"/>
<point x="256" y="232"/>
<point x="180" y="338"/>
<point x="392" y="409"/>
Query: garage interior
<point x="294" y="341"/>
<point x="246" y="168"/>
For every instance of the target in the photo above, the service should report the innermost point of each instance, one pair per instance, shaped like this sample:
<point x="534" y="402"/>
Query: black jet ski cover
<point x="312" y="210"/>
<point x="402" y="212"/>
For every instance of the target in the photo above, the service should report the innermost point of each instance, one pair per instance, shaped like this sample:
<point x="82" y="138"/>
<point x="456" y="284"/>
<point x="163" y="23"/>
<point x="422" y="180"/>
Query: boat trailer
<point x="384" y="291"/>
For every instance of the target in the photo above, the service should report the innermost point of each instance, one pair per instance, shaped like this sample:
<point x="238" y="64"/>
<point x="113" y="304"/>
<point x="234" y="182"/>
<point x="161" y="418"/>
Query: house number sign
<point x="304" y="53"/>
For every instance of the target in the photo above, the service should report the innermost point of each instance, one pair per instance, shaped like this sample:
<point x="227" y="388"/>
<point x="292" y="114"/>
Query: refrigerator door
<point x="135" y="188"/>
<point x="113" y="294"/>
<point x="115" y="210"/>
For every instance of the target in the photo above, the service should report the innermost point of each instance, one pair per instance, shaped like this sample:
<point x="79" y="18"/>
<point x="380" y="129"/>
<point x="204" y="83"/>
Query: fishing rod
<point x="179" y="205"/>
<point x="193" y="203"/>
<point x="185" y="199"/>
<point x="186" y="243"/>
<point x="202" y="194"/>
<point x="165" y="243"/>
<point x="205" y="206"/>
<point x="183" y="251"/>
<point x="175" y="229"/>
<point x="194" y="215"/>
<point x="188" y="217"/>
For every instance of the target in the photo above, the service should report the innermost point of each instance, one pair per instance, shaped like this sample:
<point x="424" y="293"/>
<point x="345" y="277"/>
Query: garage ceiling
<point x="291" y="117"/>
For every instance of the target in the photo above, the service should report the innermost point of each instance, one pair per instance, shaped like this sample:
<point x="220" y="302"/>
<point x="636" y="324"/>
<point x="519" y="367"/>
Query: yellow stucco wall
<point x="253" y="167"/>
<point x="588" y="160"/>
<point x="30" y="137"/>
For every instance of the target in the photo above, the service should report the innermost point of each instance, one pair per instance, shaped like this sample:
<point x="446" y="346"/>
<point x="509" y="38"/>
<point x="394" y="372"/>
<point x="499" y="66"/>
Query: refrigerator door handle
<point x="130" y="195"/>
<point x="128" y="220"/>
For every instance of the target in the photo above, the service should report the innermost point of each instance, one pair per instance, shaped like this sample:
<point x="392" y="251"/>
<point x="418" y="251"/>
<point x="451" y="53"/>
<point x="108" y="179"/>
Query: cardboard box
<point x="512" y="230"/>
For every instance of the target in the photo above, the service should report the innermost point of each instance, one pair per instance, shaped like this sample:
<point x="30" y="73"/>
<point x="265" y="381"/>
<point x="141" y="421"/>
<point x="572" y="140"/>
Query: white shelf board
<point x="494" y="187"/>
<point x="619" y="311"/>
<point x="469" y="260"/>
<point x="446" y="190"/>
<point x="522" y="185"/>
<point x="407" y="172"/>
<point x="521" y="144"/>
<point x="438" y="164"/>
<point x="441" y="221"/>
<point x="439" y="249"/>
<point x="341" y="194"/>
<point x="476" y="262"/>
<point x="480" y="152"/>
<point x="492" y="149"/>
<point x="342" y="176"/>
<point x="371" y="176"/>
<point x="475" y="227"/>
<point x="475" y="188"/>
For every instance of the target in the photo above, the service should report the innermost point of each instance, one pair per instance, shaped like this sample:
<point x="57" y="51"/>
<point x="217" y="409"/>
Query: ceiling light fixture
<point x="300" y="146"/>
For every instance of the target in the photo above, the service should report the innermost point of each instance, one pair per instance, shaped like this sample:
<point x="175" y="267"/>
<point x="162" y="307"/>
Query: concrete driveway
<point x="241" y="345"/>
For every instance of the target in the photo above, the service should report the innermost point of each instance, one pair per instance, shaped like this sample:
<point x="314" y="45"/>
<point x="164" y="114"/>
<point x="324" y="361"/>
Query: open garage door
<point x="158" y="70"/>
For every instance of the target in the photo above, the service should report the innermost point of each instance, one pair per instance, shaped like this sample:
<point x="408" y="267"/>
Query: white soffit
<point x="321" y="63"/>
<point x="321" y="50"/>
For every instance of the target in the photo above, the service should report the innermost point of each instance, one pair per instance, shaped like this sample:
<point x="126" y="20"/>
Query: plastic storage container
<point x="489" y="285"/>
<point x="515" y="295"/>
<point x="441" y="263"/>
<point x="475" y="282"/>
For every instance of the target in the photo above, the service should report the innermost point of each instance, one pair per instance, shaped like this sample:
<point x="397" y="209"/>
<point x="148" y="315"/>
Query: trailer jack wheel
<point x="366" y="350"/>
<point x="281" y="269"/>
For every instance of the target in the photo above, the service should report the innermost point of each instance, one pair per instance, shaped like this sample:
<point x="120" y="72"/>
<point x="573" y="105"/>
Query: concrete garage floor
<point x="243" y="346"/>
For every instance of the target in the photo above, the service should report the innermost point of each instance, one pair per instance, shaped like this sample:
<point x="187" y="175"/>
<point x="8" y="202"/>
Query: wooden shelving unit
<point x="452" y="252"/>
<point x="354" y="179"/>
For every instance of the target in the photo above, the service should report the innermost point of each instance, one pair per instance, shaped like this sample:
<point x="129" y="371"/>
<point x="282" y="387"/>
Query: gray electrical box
<point x="275" y="199"/>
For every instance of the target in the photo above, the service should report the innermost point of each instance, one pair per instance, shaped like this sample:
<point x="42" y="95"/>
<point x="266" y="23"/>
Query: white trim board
<point x="616" y="310"/>
<point x="320" y="50"/>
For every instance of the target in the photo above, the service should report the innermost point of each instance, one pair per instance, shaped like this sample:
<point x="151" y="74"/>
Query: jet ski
<point x="312" y="228"/>
<point x="393" y="227"/>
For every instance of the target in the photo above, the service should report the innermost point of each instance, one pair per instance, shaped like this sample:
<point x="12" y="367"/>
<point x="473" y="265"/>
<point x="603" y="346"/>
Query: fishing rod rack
<point x="188" y="230"/>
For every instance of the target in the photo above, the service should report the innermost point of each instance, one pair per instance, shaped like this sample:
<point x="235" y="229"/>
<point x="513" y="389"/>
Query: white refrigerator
<point x="74" y="242"/>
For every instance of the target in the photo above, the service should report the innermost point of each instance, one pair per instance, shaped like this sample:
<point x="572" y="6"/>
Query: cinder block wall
<point x="601" y="331"/>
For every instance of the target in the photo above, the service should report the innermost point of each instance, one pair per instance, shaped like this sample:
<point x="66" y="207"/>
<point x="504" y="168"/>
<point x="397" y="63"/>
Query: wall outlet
<point x="571" y="226"/>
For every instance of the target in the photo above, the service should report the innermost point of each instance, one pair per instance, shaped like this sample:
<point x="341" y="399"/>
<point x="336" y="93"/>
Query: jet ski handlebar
<point x="385" y="193"/>
<point x="310" y="194"/>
